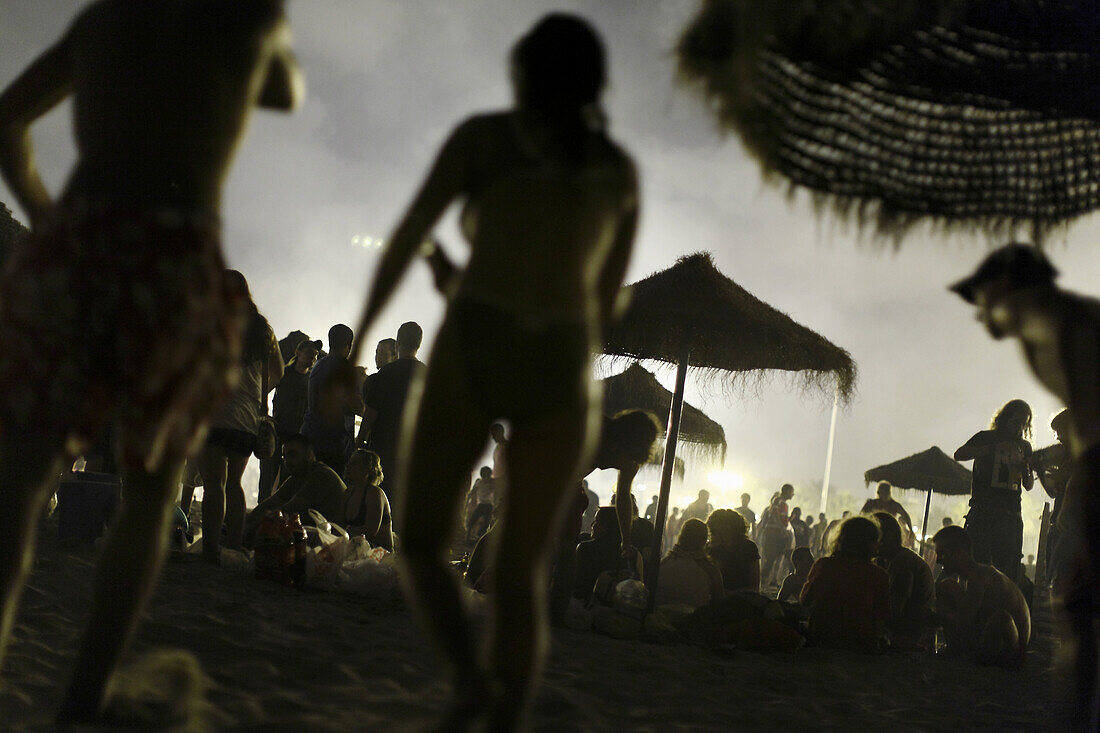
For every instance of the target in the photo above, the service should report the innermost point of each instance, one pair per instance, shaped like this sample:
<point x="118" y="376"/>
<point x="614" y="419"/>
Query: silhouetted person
<point x="848" y="595"/>
<point x="601" y="554"/>
<point x="550" y="212"/>
<point x="366" y="508"/>
<point x="234" y="431"/>
<point x="911" y="586"/>
<point x="947" y="521"/>
<point x="288" y="409"/>
<point x="1002" y="469"/>
<point x="308" y="484"/>
<point x="651" y="509"/>
<point x="1016" y="297"/>
<point x="884" y="502"/>
<point x="329" y="422"/>
<point x="800" y="529"/>
<point x="983" y="612"/>
<point x="591" y="509"/>
<point x="775" y="537"/>
<point x="480" y="502"/>
<point x="802" y="560"/>
<point x="1054" y="465"/>
<point x="387" y="395"/>
<point x="747" y="513"/>
<point x="500" y="445"/>
<point x="735" y="554"/>
<point x="126" y="263"/>
<point x="688" y="576"/>
<point x="698" y="509"/>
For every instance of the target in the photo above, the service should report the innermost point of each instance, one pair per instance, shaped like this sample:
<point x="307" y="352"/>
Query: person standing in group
<point x="127" y="262"/>
<point x="288" y="410"/>
<point x="884" y="502"/>
<point x="235" y="430"/>
<point x="385" y="400"/>
<point x="1002" y="469"/>
<point x="331" y="405"/>
<point x="550" y="210"/>
<point x="699" y="509"/>
<point x="775" y="535"/>
<point x="747" y="513"/>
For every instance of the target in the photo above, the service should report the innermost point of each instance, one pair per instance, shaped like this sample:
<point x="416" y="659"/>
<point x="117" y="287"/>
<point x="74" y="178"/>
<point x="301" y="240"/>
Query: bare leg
<point x="212" y="468"/>
<point x="26" y="470"/>
<point x="449" y="436"/>
<point x="543" y="466"/>
<point x="127" y="573"/>
<point x="234" y="500"/>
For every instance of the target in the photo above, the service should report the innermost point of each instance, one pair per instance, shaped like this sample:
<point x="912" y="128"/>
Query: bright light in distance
<point x="726" y="481"/>
<point x="367" y="242"/>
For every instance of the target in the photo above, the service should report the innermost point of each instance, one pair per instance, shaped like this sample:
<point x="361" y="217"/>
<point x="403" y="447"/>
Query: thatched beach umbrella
<point x="931" y="471"/>
<point x="692" y="315"/>
<point x="968" y="113"/>
<point x="637" y="388"/>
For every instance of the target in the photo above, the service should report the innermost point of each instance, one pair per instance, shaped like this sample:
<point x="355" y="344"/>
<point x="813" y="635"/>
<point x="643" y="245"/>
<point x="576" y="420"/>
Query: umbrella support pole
<point x="924" y="526"/>
<point x="671" y="439"/>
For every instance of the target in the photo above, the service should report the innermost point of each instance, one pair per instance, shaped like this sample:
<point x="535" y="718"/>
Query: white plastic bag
<point x="370" y="577"/>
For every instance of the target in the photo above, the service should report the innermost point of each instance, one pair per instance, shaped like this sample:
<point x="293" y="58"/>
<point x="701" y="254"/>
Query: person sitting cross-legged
<point x="310" y="484"/>
<point x="848" y="596"/>
<point x="984" y="614"/>
<point x="688" y="577"/>
<point x="802" y="559"/>
<point x="911" y="585"/>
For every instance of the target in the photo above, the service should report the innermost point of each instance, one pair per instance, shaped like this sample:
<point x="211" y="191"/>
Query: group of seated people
<point x="869" y="592"/>
<point x="356" y="501"/>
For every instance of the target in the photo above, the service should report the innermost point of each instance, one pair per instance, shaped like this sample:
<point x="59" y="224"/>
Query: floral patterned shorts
<point x="117" y="315"/>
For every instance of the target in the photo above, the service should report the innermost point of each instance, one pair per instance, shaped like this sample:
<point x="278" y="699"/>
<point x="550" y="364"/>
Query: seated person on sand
<point x="983" y="612"/>
<point x="309" y="484"/>
<point x="366" y="509"/>
<point x="602" y="553"/>
<point x="688" y="577"/>
<point x="736" y="555"/>
<point x="911" y="585"/>
<point x="802" y="559"/>
<point x="848" y="595"/>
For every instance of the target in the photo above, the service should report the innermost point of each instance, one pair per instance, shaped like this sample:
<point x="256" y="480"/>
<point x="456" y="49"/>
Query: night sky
<point x="388" y="79"/>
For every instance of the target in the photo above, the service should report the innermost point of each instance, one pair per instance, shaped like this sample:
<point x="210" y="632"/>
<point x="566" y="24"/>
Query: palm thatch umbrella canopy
<point x="692" y="315"/>
<point x="931" y="471"/>
<point x="10" y="232"/>
<point x="638" y="389"/>
<point x="970" y="113"/>
<point x="692" y="307"/>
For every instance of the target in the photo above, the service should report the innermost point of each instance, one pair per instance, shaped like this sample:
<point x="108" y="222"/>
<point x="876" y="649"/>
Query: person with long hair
<point x="550" y="209"/>
<point x="688" y="576"/>
<point x="366" y="507"/>
<point x="1002" y="471"/>
<point x="234" y="431"/>
<point x="847" y="594"/>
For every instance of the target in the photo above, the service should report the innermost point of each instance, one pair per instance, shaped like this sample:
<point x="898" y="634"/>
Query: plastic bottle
<point x="298" y="548"/>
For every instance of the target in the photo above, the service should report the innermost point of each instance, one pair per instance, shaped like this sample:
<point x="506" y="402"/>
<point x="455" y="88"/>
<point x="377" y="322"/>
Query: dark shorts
<point x="517" y="371"/>
<point x="237" y="442"/>
<point x="123" y="315"/>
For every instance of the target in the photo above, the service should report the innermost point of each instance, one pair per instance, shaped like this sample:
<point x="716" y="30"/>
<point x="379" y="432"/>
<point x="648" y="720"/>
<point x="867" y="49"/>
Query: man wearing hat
<point x="288" y="408"/>
<point x="1016" y="297"/>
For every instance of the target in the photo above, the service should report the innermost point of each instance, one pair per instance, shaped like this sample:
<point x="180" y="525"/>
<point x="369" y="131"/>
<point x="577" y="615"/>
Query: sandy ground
<point x="279" y="659"/>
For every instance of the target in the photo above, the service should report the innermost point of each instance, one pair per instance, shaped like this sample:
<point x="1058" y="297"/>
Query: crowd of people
<point x="127" y="262"/>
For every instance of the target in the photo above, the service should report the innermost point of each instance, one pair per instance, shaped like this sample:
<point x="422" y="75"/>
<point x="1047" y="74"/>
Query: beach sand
<point x="279" y="659"/>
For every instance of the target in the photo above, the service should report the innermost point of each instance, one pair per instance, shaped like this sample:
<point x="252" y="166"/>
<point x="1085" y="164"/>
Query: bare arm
<point x="623" y="508"/>
<point x="445" y="182"/>
<point x="275" y="364"/>
<point x="613" y="300"/>
<point x="972" y="449"/>
<point x="1028" y="473"/>
<point x="34" y="93"/>
<point x="374" y="501"/>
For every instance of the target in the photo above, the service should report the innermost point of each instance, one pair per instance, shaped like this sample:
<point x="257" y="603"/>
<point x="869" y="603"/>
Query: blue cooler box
<point x="85" y="504"/>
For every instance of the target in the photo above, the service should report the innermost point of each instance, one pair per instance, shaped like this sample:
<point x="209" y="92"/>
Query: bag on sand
<point x="323" y="560"/>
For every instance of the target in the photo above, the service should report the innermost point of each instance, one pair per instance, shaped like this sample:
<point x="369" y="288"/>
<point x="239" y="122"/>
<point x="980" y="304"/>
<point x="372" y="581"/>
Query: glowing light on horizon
<point x="367" y="242"/>
<point x="727" y="480"/>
